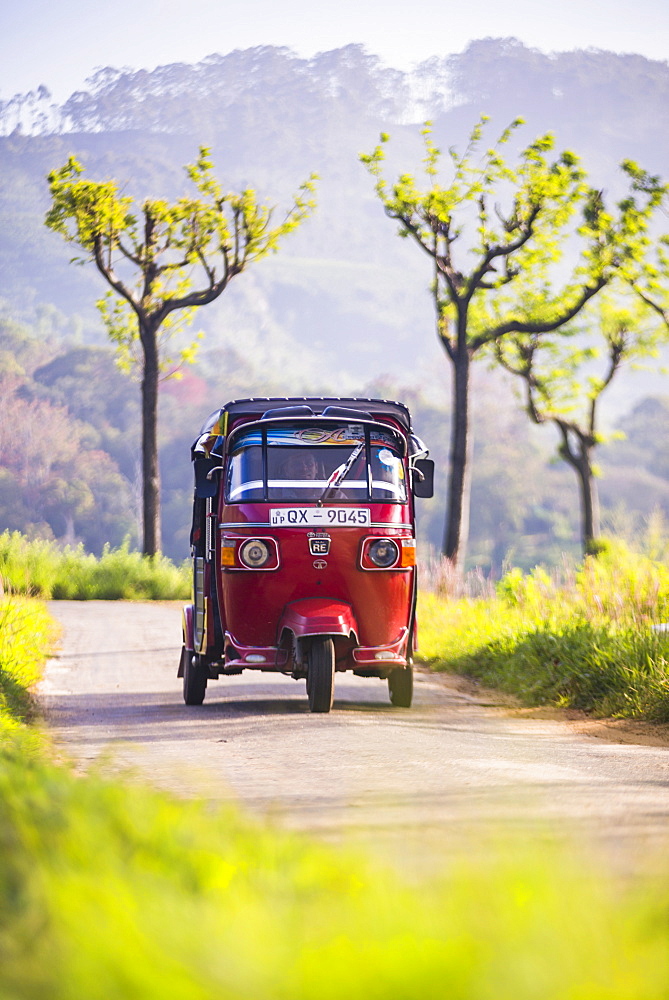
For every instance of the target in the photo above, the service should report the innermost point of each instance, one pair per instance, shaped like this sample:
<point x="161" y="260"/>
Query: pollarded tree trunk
<point x="576" y="449"/>
<point x="150" y="466"/>
<point x="459" y="487"/>
<point x="590" y="526"/>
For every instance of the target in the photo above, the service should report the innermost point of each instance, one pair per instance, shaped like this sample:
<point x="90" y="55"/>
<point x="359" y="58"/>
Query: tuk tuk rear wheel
<point x="195" y="679"/>
<point x="400" y="686"/>
<point x="320" y="674"/>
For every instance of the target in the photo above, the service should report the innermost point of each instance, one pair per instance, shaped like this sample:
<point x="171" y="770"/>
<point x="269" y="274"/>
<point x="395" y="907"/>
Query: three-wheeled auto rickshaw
<point x="304" y="544"/>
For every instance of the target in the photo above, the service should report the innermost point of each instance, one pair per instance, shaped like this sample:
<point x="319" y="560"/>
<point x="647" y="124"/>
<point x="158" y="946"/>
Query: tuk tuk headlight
<point x="384" y="552"/>
<point x="254" y="553"/>
<point x="238" y="553"/>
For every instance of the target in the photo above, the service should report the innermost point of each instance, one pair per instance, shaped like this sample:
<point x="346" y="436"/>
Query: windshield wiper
<point x="339" y="474"/>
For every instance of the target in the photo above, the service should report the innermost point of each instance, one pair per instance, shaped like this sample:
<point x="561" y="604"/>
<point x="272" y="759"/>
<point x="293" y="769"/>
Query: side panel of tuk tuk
<point x="204" y="623"/>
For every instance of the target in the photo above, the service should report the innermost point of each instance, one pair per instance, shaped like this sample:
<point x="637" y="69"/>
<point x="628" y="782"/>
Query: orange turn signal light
<point x="228" y="549"/>
<point x="408" y="552"/>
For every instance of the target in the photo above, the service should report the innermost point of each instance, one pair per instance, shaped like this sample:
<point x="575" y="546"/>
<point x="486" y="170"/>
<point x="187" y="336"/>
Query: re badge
<point x="319" y="543"/>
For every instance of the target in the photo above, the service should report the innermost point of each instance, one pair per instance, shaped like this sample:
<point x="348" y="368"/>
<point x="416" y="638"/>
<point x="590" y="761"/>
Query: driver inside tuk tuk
<point x="298" y="467"/>
<point x="302" y="465"/>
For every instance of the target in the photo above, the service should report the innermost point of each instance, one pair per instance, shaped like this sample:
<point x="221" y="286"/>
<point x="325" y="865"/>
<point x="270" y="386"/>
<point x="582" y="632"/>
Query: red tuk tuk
<point x="303" y="543"/>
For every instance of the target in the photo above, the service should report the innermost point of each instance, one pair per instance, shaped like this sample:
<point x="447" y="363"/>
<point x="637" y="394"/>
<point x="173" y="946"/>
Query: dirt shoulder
<point x="635" y="731"/>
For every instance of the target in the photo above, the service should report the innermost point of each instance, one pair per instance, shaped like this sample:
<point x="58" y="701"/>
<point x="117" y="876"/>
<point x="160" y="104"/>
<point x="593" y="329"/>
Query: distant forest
<point x="343" y="308"/>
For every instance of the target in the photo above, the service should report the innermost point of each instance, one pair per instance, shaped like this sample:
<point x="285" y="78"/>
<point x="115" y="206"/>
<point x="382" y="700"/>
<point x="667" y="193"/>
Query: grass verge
<point x="43" y="569"/>
<point x="585" y="640"/>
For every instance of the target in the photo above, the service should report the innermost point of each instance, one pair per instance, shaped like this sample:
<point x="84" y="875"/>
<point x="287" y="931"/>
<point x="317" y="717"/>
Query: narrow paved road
<point x="452" y="765"/>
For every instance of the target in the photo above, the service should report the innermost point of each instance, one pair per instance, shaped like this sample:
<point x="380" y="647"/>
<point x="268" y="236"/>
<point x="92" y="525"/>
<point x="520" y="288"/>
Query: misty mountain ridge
<point x="344" y="298"/>
<point x="489" y="68"/>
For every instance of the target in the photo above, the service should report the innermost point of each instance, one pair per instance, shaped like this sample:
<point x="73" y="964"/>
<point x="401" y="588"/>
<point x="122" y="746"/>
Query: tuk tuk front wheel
<point x="320" y="674"/>
<point x="400" y="686"/>
<point x="195" y="679"/>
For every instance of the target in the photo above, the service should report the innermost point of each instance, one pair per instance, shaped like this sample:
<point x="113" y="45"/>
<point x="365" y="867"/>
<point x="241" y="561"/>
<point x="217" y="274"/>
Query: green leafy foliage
<point x="495" y="233"/>
<point x="161" y="262"/>
<point x="513" y="246"/>
<point x="151" y="254"/>
<point x="648" y="274"/>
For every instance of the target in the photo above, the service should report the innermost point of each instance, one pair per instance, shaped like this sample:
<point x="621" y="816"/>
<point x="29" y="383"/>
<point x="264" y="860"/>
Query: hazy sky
<point x="61" y="42"/>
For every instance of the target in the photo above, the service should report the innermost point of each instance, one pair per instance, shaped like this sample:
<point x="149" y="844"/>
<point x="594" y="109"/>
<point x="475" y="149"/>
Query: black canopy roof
<point x="219" y="422"/>
<point x="258" y="407"/>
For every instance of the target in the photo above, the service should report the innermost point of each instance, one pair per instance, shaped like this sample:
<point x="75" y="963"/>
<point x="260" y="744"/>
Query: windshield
<point x="298" y="463"/>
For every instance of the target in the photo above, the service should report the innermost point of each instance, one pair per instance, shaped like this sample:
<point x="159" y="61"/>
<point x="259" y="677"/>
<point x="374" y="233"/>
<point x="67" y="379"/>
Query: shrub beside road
<point x="45" y="569"/>
<point x="587" y="638"/>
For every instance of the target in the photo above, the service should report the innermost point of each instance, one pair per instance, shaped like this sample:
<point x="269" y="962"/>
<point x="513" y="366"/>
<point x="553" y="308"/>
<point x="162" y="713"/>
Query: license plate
<point x="324" y="517"/>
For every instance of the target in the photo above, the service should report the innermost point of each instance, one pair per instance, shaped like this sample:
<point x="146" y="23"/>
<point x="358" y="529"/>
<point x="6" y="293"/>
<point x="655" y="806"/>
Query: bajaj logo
<point x="319" y="545"/>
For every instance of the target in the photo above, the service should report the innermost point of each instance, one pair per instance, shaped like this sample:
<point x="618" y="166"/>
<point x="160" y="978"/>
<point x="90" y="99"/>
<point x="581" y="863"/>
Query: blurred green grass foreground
<point x="111" y="890"/>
